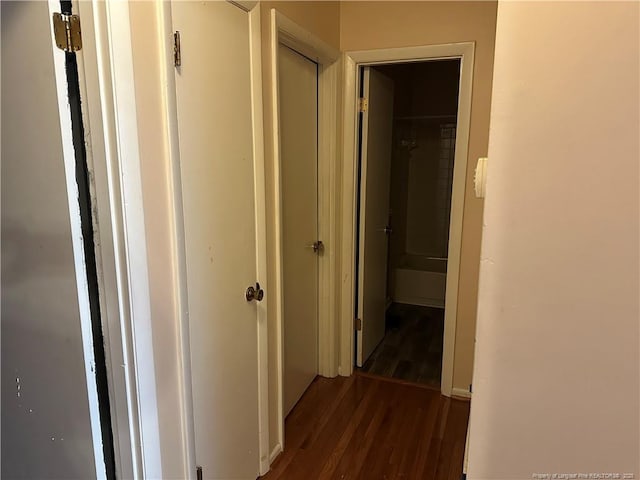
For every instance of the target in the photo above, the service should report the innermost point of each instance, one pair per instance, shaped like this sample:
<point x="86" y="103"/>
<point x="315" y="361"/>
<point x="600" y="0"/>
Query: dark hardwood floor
<point x="362" y="427"/>
<point x="411" y="349"/>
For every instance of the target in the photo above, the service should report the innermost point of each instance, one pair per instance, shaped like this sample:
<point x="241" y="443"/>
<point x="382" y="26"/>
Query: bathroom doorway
<point x="408" y="121"/>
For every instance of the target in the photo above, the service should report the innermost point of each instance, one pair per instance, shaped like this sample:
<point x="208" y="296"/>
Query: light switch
<point x="480" y="179"/>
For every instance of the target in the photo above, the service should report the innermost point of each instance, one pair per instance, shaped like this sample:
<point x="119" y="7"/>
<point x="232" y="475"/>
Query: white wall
<point x="46" y="431"/>
<point x="557" y="367"/>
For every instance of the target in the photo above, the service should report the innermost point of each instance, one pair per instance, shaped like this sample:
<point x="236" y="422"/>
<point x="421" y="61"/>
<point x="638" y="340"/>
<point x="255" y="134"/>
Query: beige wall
<point x="557" y="358"/>
<point x="318" y="17"/>
<point x="323" y="20"/>
<point x="370" y="25"/>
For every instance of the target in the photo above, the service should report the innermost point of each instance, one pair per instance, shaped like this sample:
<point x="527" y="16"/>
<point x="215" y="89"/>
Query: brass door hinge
<point x="66" y="30"/>
<point x="357" y="324"/>
<point x="177" y="54"/>
<point x="363" y="104"/>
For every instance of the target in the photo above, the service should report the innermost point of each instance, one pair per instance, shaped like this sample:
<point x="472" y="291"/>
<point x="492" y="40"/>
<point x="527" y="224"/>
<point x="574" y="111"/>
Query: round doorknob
<point x="254" y="293"/>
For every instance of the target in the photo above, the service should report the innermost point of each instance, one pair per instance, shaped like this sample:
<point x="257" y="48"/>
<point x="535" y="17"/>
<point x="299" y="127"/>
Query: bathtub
<point x="421" y="281"/>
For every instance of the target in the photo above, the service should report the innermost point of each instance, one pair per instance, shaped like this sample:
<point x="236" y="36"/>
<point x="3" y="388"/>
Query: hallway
<point x="365" y="427"/>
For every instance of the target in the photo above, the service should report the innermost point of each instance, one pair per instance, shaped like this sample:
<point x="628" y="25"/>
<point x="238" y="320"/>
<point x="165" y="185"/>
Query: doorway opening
<point x="407" y="129"/>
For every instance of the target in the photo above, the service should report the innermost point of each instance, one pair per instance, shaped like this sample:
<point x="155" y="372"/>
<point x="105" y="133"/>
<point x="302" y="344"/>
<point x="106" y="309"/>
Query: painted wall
<point x="323" y="20"/>
<point x="46" y="431"/>
<point x="370" y="25"/>
<point x="556" y="381"/>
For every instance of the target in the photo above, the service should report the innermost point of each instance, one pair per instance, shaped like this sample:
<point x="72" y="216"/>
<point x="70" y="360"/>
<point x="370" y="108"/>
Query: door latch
<point x="254" y="293"/>
<point x="317" y="247"/>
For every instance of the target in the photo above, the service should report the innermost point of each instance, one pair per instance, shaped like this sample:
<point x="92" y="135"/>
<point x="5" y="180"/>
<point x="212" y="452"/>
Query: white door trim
<point x="79" y="253"/>
<point x="352" y="61"/>
<point x="170" y="107"/>
<point x="287" y="32"/>
<point x="165" y="40"/>
<point x="105" y="68"/>
<point x="109" y="110"/>
<point x="261" y="231"/>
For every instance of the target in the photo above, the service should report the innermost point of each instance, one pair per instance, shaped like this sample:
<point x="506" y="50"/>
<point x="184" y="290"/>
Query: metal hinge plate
<point x="357" y="324"/>
<point x="66" y="30"/>
<point x="177" y="56"/>
<point x="363" y="104"/>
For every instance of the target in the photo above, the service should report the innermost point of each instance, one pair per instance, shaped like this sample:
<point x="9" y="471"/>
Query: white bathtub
<point x="421" y="281"/>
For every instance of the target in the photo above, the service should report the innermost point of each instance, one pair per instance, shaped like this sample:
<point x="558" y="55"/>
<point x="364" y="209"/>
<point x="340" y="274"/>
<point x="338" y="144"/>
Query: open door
<point x="214" y="103"/>
<point x="56" y="419"/>
<point x="375" y="158"/>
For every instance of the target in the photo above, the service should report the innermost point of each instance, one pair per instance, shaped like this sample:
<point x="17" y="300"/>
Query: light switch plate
<point x="480" y="179"/>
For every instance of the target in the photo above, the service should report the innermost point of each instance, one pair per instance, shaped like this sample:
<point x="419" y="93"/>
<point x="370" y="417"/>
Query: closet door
<point x="298" y="110"/>
<point x="217" y="172"/>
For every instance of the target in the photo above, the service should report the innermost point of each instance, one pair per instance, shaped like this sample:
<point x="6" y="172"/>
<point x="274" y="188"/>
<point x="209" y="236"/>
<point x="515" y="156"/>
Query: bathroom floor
<point x="411" y="349"/>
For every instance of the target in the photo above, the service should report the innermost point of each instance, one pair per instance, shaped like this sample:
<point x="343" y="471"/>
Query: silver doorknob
<point x="316" y="246"/>
<point x="388" y="230"/>
<point x="254" y="293"/>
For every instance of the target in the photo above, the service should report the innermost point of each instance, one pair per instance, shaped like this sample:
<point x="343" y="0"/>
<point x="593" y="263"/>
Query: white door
<point x="50" y="420"/>
<point x="298" y="111"/>
<point x="216" y="156"/>
<point x="377" y="125"/>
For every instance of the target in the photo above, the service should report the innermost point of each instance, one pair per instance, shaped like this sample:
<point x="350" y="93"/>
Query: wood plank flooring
<point x="362" y="427"/>
<point x="411" y="349"/>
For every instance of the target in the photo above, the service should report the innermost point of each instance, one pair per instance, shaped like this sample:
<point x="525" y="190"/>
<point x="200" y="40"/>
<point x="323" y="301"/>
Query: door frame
<point x="285" y="31"/>
<point x="352" y="63"/>
<point x="105" y="75"/>
<point x="104" y="253"/>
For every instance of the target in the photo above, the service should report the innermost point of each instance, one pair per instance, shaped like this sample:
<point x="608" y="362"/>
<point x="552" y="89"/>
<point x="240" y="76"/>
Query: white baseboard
<point x="460" y="392"/>
<point x="277" y="450"/>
